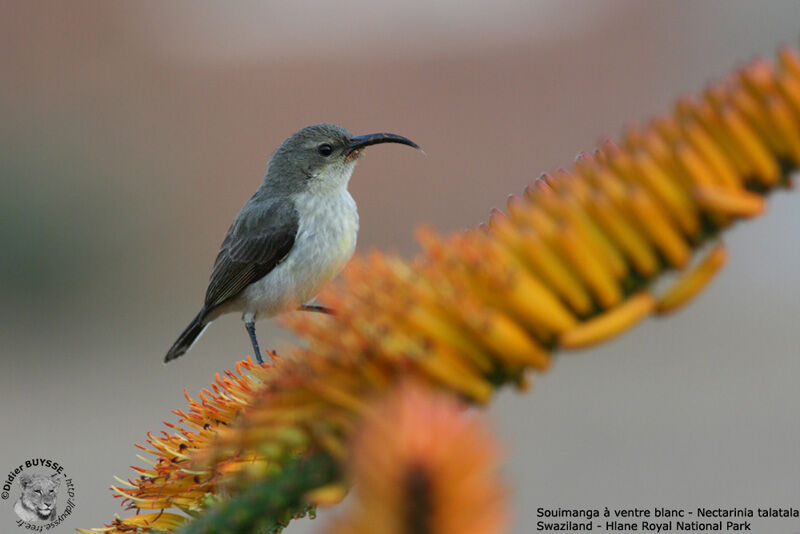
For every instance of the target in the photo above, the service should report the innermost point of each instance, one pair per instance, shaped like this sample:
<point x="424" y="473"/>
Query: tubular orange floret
<point x="669" y="193"/>
<point x="421" y="463"/>
<point x="765" y="166"/>
<point x="658" y="228"/>
<point x="784" y="123"/>
<point x="630" y="241"/>
<point x="712" y="153"/>
<point x="591" y="270"/>
<point x="555" y="272"/>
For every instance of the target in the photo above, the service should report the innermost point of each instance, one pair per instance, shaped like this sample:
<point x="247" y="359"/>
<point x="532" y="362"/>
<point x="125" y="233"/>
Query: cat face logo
<point x="37" y="502"/>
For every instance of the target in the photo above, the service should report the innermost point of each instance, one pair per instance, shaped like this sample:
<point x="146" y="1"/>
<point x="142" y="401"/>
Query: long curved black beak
<point x="360" y="141"/>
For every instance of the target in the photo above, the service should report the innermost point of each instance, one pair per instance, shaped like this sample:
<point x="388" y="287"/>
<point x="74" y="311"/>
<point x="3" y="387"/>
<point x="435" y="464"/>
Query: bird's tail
<point x="187" y="337"/>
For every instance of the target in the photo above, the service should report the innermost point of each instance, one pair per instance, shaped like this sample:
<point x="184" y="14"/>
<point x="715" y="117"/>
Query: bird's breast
<point x="325" y="241"/>
<point x="327" y="232"/>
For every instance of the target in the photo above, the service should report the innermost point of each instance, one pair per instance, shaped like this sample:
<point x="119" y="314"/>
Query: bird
<point x="291" y="237"/>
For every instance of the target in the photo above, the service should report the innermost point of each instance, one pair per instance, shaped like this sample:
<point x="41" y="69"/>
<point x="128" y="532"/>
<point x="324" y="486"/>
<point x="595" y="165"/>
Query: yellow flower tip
<point x="159" y="521"/>
<point x="735" y="202"/>
<point x="542" y="185"/>
<point x="524" y="383"/>
<point x="612" y="154"/>
<point x="789" y="60"/>
<point x="692" y="282"/>
<point x="514" y="202"/>
<point x="609" y="324"/>
<point x="753" y="149"/>
<point x="429" y="240"/>
<point x="327" y="495"/>
<point x="589" y="266"/>
<point x="759" y="75"/>
<point x="659" y="228"/>
<point x="547" y="179"/>
<point x="633" y="136"/>
<point x="584" y="159"/>
<point x="421" y="463"/>
<point x="686" y="106"/>
<point x="497" y="217"/>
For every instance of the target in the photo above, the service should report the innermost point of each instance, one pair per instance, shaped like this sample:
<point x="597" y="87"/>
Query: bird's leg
<point x="317" y="308"/>
<point x="250" y="326"/>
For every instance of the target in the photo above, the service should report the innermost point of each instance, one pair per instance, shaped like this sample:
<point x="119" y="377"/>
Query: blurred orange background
<point x="132" y="133"/>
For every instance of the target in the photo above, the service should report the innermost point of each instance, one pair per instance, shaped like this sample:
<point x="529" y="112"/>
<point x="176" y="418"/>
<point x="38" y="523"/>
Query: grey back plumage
<point x="261" y="236"/>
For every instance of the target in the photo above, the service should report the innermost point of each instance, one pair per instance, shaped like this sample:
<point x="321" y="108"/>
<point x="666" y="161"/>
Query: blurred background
<point x="132" y="133"/>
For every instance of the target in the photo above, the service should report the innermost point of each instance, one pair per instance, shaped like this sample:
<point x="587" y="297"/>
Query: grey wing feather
<point x="258" y="240"/>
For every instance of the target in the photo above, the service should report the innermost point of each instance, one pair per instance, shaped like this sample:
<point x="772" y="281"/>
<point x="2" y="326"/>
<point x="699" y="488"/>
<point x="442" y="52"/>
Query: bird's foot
<point x="251" y="330"/>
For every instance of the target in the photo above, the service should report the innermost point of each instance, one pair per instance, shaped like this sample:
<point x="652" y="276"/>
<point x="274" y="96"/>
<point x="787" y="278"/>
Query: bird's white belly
<point x="326" y="240"/>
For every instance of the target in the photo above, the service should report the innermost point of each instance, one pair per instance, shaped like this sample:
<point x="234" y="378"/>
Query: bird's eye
<point x="325" y="149"/>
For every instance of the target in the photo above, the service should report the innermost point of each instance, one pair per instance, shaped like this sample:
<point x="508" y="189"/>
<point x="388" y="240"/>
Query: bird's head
<point x="322" y="155"/>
